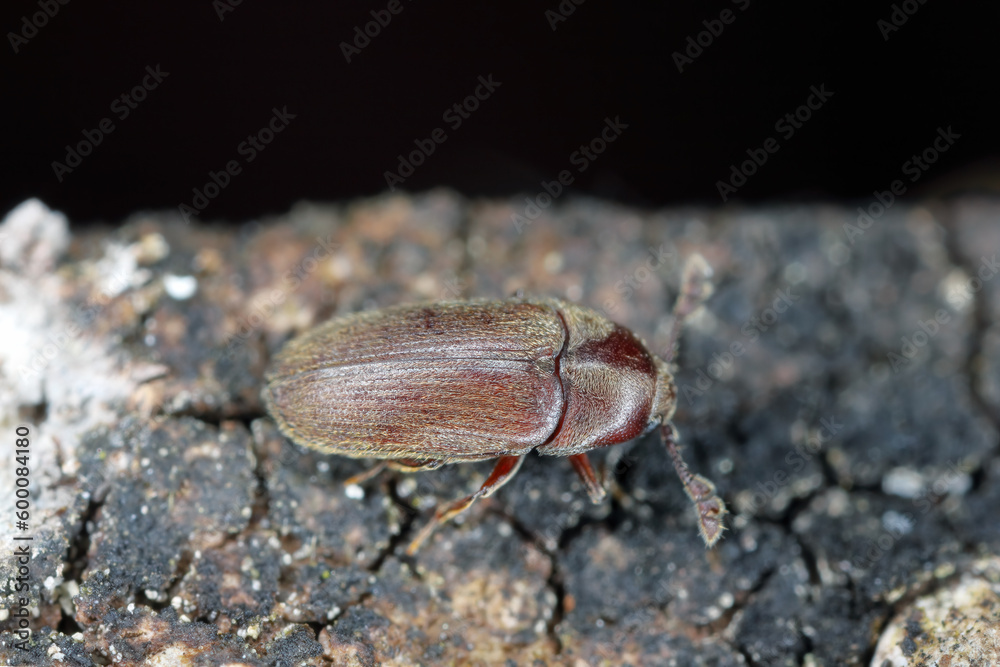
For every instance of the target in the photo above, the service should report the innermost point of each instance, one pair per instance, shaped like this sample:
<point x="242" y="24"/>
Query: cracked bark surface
<point x="175" y="525"/>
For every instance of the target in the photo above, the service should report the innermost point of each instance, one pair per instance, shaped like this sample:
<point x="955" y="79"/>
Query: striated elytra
<point x="418" y="386"/>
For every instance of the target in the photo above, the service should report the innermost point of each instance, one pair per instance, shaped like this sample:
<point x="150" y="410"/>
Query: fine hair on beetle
<point x="418" y="386"/>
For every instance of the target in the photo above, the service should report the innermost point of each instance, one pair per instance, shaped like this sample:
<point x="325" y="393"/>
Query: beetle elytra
<point x="418" y="386"/>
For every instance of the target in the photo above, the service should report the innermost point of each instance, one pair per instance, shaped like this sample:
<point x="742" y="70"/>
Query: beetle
<point x="419" y="386"/>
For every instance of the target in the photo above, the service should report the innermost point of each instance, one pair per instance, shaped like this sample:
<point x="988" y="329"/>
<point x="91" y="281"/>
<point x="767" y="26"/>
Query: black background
<point x="685" y="129"/>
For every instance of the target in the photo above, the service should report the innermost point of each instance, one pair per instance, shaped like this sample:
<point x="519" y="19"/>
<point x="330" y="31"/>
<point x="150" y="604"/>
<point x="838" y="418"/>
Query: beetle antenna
<point x="696" y="286"/>
<point x="711" y="508"/>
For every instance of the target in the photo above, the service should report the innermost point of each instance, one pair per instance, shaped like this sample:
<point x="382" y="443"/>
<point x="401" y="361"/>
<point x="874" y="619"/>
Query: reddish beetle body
<point x="423" y="385"/>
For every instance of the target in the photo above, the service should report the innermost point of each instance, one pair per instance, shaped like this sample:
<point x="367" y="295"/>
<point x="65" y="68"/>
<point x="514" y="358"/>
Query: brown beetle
<point x="423" y="385"/>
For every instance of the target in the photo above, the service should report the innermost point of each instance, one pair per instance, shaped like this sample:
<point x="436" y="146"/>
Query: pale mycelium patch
<point x="56" y="377"/>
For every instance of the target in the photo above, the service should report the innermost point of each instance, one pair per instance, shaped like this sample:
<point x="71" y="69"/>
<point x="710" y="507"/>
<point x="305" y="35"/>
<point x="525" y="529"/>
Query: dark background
<point x="685" y="129"/>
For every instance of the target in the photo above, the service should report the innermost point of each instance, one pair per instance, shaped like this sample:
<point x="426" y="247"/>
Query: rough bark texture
<point x="840" y="387"/>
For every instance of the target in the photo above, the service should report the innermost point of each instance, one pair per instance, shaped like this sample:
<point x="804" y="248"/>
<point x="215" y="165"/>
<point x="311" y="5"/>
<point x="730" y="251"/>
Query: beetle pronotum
<point x="419" y="386"/>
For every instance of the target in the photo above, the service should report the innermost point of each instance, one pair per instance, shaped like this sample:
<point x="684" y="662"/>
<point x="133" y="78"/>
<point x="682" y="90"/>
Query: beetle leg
<point x="402" y="465"/>
<point x="503" y="471"/>
<point x="363" y="477"/>
<point x="582" y="466"/>
<point x="702" y="492"/>
<point x="413" y="465"/>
